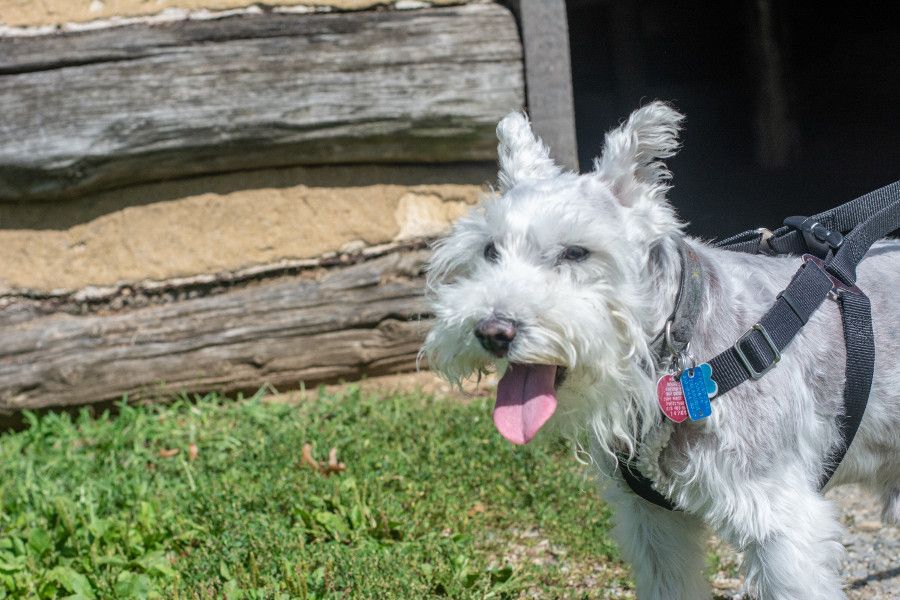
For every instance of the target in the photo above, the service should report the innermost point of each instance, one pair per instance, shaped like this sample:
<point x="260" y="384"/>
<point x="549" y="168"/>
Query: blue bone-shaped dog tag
<point x="698" y="387"/>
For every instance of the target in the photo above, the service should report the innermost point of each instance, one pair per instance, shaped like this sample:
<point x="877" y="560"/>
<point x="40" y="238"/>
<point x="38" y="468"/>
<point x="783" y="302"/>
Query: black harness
<point x="832" y="244"/>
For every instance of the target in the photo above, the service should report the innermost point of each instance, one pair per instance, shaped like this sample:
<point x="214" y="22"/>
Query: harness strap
<point x="858" y="241"/>
<point x="864" y="220"/>
<point x="856" y="314"/>
<point x="758" y="350"/>
<point x="641" y="485"/>
<point x="844" y="219"/>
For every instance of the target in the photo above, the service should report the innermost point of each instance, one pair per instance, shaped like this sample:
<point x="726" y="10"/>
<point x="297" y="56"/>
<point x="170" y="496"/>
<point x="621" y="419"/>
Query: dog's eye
<point x="490" y="253"/>
<point x="574" y="253"/>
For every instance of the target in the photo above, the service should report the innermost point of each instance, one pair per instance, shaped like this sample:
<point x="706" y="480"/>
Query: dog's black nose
<point x="496" y="334"/>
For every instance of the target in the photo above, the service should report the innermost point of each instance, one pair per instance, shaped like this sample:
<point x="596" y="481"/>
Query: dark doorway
<point x="791" y="108"/>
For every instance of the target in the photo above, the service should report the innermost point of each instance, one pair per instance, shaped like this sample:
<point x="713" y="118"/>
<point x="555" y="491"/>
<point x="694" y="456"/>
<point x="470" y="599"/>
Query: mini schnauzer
<point x="565" y="283"/>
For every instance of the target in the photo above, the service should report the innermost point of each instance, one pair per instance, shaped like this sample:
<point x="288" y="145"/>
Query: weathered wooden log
<point x="363" y="319"/>
<point x="103" y="108"/>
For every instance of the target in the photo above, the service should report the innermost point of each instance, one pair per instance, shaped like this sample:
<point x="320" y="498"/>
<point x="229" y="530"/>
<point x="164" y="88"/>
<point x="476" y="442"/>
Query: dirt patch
<point x="599" y="578"/>
<point x="422" y="382"/>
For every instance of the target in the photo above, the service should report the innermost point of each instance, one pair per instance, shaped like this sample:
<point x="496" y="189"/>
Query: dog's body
<point x="581" y="272"/>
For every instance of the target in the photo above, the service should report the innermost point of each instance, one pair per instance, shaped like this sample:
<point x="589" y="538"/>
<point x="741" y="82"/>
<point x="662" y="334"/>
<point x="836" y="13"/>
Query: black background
<point x="838" y="79"/>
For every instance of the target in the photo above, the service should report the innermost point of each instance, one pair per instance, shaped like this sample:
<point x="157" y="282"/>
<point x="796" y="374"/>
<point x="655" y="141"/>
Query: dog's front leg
<point x="789" y="533"/>
<point x="666" y="549"/>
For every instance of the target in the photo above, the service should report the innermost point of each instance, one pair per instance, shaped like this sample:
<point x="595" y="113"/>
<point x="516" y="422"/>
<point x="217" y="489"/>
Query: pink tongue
<point x="525" y="400"/>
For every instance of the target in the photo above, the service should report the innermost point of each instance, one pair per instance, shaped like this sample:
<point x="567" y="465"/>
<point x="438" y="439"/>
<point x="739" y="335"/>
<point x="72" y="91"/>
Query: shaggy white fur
<point x="749" y="472"/>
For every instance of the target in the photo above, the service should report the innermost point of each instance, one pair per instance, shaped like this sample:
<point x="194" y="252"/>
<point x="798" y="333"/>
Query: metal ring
<point x="686" y="361"/>
<point x="669" y="341"/>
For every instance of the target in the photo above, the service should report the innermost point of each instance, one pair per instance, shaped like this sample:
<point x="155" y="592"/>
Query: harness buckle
<point x="764" y="236"/>
<point x="838" y="287"/>
<point x="754" y="374"/>
<point x="819" y="239"/>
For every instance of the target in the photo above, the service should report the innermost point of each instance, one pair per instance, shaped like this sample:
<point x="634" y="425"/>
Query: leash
<point x="832" y="244"/>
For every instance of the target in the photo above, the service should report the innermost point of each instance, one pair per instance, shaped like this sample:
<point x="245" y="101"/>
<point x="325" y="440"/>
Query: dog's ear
<point x="631" y="163"/>
<point x="522" y="155"/>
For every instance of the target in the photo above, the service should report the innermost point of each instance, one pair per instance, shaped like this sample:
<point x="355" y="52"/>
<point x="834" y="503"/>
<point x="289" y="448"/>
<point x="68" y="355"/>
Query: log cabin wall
<point x="219" y="196"/>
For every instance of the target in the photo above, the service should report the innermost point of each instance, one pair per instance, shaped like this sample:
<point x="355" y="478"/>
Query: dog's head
<point x="548" y="280"/>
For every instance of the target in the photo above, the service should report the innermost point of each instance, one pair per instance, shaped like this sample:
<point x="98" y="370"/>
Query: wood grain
<point x="104" y="108"/>
<point x="364" y="319"/>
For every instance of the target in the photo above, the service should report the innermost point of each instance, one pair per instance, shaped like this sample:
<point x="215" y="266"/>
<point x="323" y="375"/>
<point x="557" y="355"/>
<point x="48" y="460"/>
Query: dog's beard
<point x="607" y="393"/>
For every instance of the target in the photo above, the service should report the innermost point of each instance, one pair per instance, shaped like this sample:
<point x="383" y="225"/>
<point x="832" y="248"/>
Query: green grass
<point x="432" y="503"/>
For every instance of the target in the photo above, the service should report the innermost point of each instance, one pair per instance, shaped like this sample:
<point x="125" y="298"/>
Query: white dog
<point x="563" y="281"/>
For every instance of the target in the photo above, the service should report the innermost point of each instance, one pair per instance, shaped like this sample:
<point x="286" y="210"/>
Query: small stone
<point x="868" y="526"/>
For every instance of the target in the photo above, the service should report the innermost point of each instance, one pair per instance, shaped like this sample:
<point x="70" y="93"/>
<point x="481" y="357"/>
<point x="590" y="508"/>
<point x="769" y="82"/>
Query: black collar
<point x="679" y="327"/>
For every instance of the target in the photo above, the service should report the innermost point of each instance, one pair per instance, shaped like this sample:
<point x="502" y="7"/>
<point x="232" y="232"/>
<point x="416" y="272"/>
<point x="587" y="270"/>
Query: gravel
<point x="872" y="566"/>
